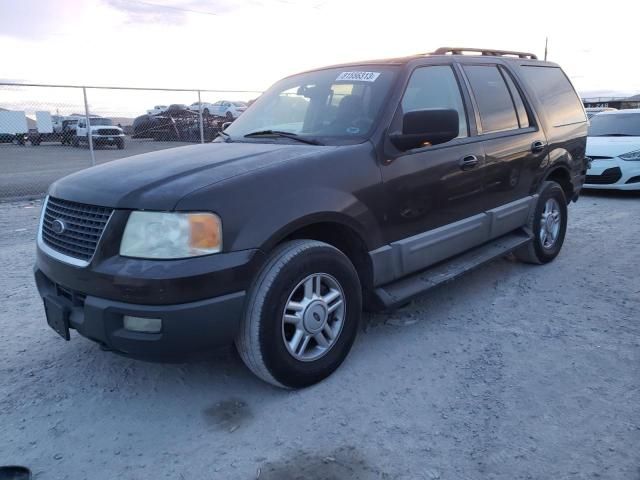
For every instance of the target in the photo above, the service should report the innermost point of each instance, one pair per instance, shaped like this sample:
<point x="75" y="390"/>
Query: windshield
<point x="615" y="124"/>
<point x="338" y="102"/>
<point x="100" y="121"/>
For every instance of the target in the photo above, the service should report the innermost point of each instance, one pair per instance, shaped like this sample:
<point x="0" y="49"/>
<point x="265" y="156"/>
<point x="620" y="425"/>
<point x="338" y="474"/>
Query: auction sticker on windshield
<point x="358" y="76"/>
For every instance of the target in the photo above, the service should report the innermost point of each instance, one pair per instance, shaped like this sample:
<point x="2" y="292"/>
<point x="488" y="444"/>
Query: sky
<point x="248" y="45"/>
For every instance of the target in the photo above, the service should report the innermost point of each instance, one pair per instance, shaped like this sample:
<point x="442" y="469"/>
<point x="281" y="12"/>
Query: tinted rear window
<point x="497" y="112"/>
<point x="553" y="89"/>
<point x="615" y="124"/>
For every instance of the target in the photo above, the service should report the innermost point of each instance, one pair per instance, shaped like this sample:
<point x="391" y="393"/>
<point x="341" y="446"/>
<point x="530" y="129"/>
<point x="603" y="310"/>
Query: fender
<point x="292" y="212"/>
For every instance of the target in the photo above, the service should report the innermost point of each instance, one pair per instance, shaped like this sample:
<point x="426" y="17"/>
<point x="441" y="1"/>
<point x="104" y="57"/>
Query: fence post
<point x="200" y="115"/>
<point x="86" y="114"/>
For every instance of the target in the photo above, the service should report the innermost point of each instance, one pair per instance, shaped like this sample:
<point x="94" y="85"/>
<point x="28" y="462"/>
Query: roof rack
<point x="484" y="51"/>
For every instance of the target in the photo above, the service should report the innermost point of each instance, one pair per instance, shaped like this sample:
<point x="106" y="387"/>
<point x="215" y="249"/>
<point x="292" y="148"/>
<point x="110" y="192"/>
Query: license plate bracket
<point x="57" y="314"/>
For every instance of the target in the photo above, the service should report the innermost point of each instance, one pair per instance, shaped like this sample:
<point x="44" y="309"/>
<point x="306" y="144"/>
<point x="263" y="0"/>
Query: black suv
<point x="359" y="185"/>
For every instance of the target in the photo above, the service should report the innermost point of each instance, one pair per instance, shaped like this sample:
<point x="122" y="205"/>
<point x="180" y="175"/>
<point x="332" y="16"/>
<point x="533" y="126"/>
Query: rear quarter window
<point x="555" y="92"/>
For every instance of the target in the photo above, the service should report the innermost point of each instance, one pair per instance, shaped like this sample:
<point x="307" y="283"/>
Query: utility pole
<point x="546" y="43"/>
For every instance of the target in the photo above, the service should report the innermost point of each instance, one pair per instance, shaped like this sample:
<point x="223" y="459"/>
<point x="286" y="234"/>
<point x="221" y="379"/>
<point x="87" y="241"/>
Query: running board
<point x="394" y="294"/>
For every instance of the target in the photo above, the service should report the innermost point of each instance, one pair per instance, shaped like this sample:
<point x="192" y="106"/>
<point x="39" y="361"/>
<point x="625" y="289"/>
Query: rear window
<point x="553" y="89"/>
<point x="615" y="125"/>
<point x="497" y="111"/>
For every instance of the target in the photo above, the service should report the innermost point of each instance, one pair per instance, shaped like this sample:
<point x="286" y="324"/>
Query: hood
<point x="158" y="180"/>
<point x="611" y="146"/>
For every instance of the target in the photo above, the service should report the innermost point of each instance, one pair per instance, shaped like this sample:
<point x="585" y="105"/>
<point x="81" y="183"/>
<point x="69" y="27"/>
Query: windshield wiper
<point x="278" y="133"/>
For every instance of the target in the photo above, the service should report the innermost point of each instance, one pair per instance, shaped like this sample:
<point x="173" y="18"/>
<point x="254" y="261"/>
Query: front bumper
<point x="613" y="174"/>
<point x="199" y="299"/>
<point x="186" y="327"/>
<point x="107" y="139"/>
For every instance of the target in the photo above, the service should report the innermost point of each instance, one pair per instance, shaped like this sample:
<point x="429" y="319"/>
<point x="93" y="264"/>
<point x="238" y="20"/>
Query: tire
<point x="75" y="142"/>
<point x="265" y="338"/>
<point x="229" y="116"/>
<point x="205" y="112"/>
<point x="541" y="250"/>
<point x="120" y="144"/>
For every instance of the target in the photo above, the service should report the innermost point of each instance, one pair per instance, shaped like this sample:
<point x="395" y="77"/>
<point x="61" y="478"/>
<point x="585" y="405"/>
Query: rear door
<point x="514" y="145"/>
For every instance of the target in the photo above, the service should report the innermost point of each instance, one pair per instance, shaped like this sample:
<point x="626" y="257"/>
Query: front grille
<point x="610" y="175"/>
<point x="108" y="131"/>
<point x="83" y="227"/>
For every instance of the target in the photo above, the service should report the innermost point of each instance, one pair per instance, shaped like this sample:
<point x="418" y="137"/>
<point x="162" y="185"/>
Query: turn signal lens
<point x="205" y="231"/>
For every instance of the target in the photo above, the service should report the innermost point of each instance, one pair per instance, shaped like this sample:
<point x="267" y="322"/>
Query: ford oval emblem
<point x="58" y="227"/>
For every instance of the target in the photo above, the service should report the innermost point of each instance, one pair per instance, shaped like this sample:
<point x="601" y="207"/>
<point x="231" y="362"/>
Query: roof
<point x="442" y="51"/>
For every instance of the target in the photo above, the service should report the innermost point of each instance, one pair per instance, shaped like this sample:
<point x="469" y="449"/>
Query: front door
<point x="437" y="185"/>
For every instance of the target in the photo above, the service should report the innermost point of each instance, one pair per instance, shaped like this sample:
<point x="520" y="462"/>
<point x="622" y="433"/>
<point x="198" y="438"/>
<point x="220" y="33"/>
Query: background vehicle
<point x="13" y="126"/>
<point x="591" y="111"/>
<point x="158" y="109"/>
<point x="614" y="147"/>
<point x="102" y="132"/>
<point x="360" y="184"/>
<point x="177" y="109"/>
<point x="223" y="108"/>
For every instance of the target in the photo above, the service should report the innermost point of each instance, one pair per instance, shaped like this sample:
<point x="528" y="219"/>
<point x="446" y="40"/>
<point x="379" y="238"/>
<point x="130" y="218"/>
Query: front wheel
<point x="302" y="315"/>
<point x="548" y="225"/>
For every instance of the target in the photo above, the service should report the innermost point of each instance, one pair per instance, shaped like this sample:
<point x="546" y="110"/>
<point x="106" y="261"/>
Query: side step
<point x="394" y="294"/>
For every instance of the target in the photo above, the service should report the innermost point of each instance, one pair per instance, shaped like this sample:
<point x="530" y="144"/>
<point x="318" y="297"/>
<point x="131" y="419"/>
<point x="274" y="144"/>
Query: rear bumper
<point x="186" y="327"/>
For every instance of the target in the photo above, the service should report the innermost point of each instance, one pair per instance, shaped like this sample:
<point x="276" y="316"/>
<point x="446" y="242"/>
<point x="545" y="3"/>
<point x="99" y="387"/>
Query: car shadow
<point x="615" y="194"/>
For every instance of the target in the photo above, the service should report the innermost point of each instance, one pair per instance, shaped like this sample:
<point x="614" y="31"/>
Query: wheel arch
<point x="334" y="229"/>
<point x="560" y="173"/>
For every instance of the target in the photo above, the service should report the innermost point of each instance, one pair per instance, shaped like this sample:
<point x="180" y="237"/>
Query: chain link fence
<point x="49" y="131"/>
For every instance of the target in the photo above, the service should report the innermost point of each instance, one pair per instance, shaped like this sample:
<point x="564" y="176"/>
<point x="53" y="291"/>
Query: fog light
<point x="140" y="324"/>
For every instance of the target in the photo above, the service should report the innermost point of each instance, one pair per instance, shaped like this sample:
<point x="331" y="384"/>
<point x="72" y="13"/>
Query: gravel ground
<point x="512" y="372"/>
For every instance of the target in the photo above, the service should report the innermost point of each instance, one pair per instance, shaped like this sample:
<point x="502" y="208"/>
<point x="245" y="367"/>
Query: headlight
<point x="633" y="156"/>
<point x="160" y="235"/>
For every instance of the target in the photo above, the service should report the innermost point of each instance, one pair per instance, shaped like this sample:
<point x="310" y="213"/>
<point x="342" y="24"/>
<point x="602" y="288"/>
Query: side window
<point x="497" y="113"/>
<point x="523" y="116"/>
<point x="435" y="87"/>
<point x="555" y="92"/>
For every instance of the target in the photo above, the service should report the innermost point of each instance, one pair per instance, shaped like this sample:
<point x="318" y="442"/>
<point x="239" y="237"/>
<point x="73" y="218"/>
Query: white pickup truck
<point x="102" y="131"/>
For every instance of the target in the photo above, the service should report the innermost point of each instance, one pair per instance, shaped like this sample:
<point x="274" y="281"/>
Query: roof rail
<point x="484" y="51"/>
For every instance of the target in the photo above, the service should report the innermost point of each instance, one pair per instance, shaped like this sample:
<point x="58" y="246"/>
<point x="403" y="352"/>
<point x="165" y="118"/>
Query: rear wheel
<point x="548" y="225"/>
<point x="302" y="315"/>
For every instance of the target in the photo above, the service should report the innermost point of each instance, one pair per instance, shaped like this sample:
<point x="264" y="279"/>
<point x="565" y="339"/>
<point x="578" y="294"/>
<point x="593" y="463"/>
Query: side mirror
<point x="434" y="126"/>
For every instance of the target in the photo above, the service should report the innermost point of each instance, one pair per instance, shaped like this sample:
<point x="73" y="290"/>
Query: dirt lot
<point x="28" y="171"/>
<point x="512" y="372"/>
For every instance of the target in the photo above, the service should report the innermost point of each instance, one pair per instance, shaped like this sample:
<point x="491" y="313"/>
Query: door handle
<point x="468" y="162"/>
<point x="538" y="146"/>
